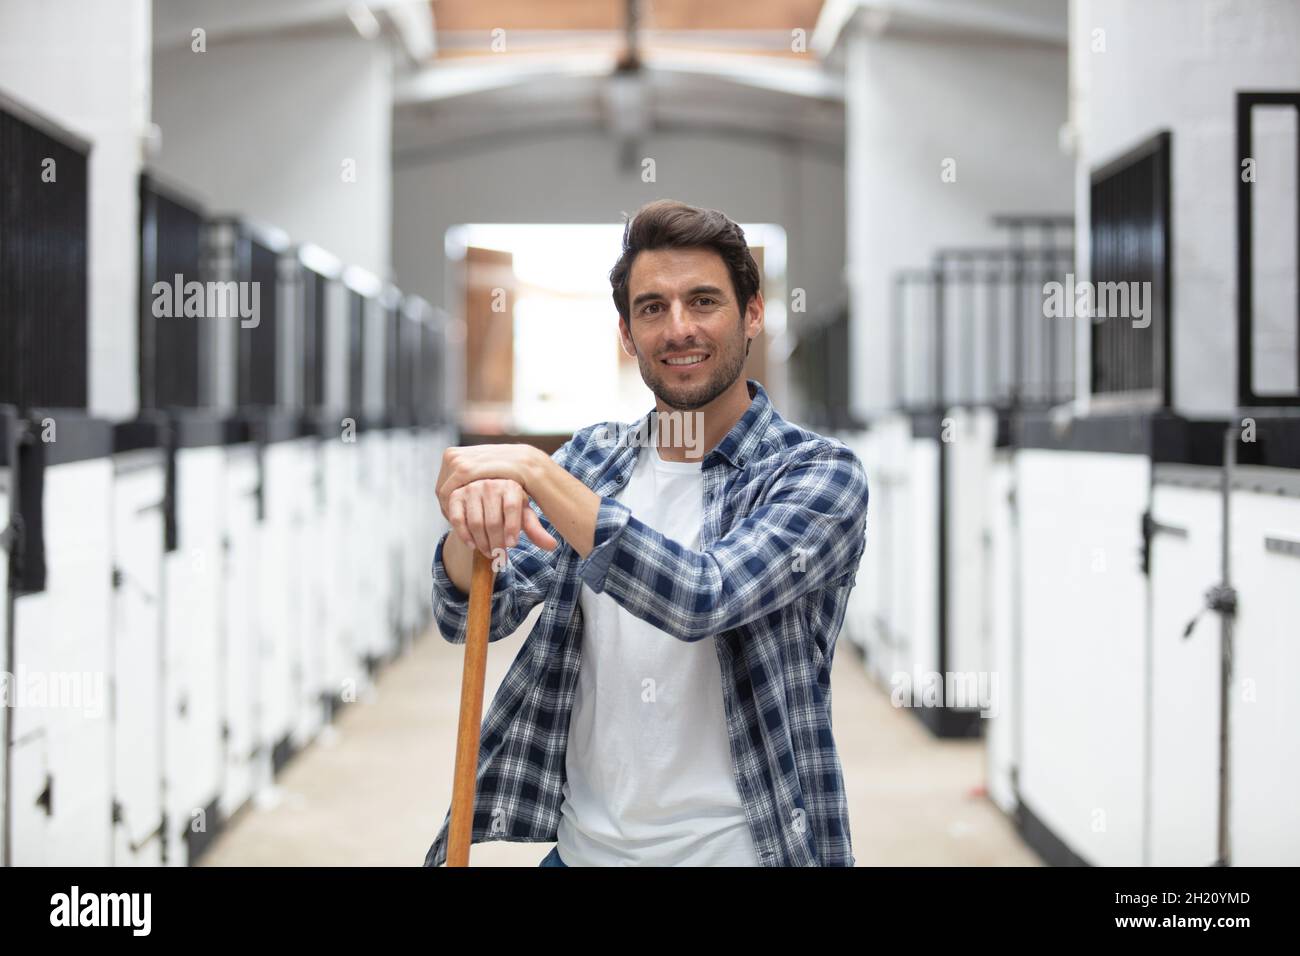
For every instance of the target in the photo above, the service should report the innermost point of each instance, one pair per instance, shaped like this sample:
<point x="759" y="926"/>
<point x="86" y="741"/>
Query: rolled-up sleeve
<point x="451" y="605"/>
<point x="611" y="518"/>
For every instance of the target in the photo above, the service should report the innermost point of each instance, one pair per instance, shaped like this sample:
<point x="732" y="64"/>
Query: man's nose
<point x="681" y="322"/>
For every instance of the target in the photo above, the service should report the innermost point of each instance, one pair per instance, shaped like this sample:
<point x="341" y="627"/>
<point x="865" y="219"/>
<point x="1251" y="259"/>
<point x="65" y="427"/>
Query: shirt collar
<point x="740" y="443"/>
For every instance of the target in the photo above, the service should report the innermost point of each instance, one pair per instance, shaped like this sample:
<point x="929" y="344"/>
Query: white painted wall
<point x="1177" y="65"/>
<point x="263" y="126"/>
<point x="174" y="19"/>
<point x="574" y="177"/>
<point x="913" y="101"/>
<point x="84" y="64"/>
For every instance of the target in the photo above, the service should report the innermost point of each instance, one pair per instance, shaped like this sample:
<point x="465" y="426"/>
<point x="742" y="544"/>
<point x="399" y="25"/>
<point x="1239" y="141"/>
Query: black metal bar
<point x="896" y="314"/>
<point x="1245" y="285"/>
<point x="356" y="352"/>
<point x="939" y="354"/>
<point x="967" y="332"/>
<point x="317" y="330"/>
<point x="1246" y="390"/>
<point x="260" y="352"/>
<point x="1052" y="395"/>
<point x="146" y="330"/>
<point x="941" y="611"/>
<point x="1017" y="221"/>
<point x="997" y="254"/>
<point x="1165" y="315"/>
<point x="392" y="332"/>
<point x="994" y="347"/>
<point x="1017" y="325"/>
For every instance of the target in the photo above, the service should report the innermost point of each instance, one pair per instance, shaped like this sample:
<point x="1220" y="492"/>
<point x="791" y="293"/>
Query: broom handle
<point x="471" y="710"/>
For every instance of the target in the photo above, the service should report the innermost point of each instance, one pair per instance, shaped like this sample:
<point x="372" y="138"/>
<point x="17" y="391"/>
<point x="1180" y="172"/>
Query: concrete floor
<point x="373" y="790"/>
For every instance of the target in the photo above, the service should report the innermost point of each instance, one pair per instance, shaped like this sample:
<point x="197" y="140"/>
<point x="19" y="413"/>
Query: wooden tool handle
<point x="471" y="710"/>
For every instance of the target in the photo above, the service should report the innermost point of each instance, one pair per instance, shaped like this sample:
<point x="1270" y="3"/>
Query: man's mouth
<point x="685" y="359"/>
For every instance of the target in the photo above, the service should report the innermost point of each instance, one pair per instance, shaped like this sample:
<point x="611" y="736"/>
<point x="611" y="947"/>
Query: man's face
<point x="686" y="329"/>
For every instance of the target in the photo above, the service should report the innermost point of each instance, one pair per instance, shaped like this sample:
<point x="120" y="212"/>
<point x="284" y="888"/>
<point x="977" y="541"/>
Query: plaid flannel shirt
<point x="783" y="532"/>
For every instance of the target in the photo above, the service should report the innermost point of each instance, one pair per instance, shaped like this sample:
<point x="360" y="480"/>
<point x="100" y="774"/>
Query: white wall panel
<point x="138" y="492"/>
<point x="312" y="625"/>
<point x="61" y="639"/>
<point x="243" y="647"/>
<point x="193" y="614"/>
<point x="1083" y="607"/>
<point x="1265" y="712"/>
<point x="279" y="588"/>
<point x="1003" y="728"/>
<point x="1185" y="563"/>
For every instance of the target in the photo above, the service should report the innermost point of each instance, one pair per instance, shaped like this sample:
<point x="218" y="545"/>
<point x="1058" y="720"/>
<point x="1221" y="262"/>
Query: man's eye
<point x="704" y="298"/>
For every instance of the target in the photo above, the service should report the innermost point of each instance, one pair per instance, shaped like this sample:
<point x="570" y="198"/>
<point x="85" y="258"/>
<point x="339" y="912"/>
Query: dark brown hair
<point x="669" y="224"/>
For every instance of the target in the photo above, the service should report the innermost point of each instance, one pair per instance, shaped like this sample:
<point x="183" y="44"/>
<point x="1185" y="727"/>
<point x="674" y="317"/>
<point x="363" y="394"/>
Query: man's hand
<point x="485" y="515"/>
<point x="569" y="505"/>
<point x="465" y="463"/>
<point x="489" y="513"/>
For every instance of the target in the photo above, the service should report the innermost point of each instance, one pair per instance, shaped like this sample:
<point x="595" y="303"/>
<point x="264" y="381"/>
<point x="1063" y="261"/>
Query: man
<point x="672" y="703"/>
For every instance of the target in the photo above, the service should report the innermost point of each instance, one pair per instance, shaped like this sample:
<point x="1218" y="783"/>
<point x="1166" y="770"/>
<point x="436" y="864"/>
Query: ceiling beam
<point x="450" y="79"/>
<point x="1043" y="21"/>
<point x="410" y="21"/>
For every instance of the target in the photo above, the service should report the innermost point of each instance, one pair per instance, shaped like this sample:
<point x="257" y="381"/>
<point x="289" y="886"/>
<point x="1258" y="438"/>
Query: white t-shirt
<point x="650" y="780"/>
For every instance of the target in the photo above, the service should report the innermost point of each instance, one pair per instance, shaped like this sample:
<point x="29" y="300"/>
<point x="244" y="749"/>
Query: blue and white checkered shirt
<point x="784" y="525"/>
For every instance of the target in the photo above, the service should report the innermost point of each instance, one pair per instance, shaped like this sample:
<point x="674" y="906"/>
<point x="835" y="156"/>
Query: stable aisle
<point x="373" y="792"/>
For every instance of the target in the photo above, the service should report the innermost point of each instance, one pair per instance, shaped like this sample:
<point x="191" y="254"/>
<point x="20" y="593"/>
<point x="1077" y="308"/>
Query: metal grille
<point x="392" y="361"/>
<point x="171" y="357"/>
<point x="408" y="361"/>
<point x="821" y="365"/>
<point x="431" y="400"/>
<point x="43" y="285"/>
<point x="972" y="330"/>
<point x="315" y="293"/>
<point x="1131" y="245"/>
<point x="356" y="352"/>
<point x="259" y="365"/>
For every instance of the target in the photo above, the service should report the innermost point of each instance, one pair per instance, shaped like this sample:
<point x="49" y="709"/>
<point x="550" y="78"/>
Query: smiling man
<point x="672" y="704"/>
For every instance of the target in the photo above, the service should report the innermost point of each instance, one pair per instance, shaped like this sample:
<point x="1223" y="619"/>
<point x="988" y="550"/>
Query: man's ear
<point x="625" y="339"/>
<point x="755" y="309"/>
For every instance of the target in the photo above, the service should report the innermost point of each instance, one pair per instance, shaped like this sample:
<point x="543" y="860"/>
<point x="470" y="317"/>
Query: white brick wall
<point x="1177" y="65"/>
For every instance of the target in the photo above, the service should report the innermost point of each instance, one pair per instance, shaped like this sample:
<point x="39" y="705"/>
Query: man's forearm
<point x="568" y="504"/>
<point x="458" y="562"/>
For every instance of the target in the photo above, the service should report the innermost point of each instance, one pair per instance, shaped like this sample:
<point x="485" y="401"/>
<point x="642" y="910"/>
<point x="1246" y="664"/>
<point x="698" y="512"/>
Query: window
<point x="1131" y="247"/>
